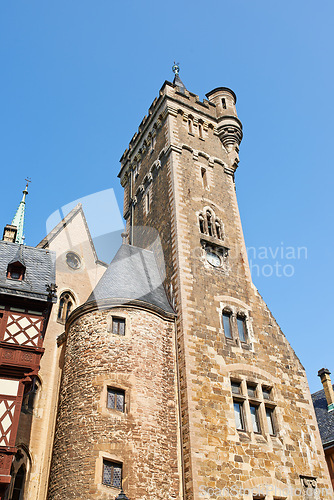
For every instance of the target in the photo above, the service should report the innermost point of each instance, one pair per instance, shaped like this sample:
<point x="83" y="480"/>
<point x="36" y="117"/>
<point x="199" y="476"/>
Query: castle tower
<point x="247" y="416"/>
<point x="202" y="399"/>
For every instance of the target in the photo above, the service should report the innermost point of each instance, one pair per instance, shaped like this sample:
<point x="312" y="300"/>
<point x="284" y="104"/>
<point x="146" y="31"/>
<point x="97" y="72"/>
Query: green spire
<point x="18" y="220"/>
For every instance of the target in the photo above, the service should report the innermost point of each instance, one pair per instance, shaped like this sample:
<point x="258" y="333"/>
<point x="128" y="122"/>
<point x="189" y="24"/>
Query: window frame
<point x="106" y="462"/>
<point x="119" y="320"/>
<point x="227" y="314"/>
<point x="117" y="392"/>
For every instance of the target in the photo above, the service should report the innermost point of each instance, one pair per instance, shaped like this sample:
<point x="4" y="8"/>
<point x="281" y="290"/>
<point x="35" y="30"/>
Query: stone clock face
<point x="212" y="258"/>
<point x="73" y="260"/>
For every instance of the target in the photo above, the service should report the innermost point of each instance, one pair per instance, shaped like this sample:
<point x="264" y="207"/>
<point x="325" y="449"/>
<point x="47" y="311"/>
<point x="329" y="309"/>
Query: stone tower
<point x="247" y="416"/>
<point x="203" y="399"/>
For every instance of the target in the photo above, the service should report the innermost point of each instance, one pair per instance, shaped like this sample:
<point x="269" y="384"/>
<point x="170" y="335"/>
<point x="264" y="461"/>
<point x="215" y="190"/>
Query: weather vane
<point x="176" y="68"/>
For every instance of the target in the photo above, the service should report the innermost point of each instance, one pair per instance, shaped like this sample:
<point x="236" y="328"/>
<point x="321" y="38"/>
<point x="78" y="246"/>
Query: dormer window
<point x="15" y="271"/>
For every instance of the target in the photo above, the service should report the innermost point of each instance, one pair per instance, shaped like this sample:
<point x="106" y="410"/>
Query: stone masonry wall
<point x="144" y="437"/>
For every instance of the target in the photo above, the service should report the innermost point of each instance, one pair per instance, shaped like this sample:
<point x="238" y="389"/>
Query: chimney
<point x="324" y="375"/>
<point x="9" y="233"/>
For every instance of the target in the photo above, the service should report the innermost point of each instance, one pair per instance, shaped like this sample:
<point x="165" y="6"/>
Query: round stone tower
<point x="118" y="412"/>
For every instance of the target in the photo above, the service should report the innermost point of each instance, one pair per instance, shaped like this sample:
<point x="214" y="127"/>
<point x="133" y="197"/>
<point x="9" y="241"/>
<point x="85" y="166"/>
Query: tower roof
<point x="18" y="220"/>
<point x="132" y="275"/>
<point x="177" y="80"/>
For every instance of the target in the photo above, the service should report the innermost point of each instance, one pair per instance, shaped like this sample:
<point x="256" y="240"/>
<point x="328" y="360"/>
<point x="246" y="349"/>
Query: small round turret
<point x="229" y="125"/>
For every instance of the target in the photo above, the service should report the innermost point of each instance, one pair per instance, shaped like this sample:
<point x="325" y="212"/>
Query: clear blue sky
<point x="78" y="77"/>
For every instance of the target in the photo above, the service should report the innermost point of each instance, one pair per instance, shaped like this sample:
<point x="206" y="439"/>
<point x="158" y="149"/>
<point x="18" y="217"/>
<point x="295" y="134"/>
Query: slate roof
<point x="40" y="270"/>
<point x="133" y="274"/>
<point x="324" y="417"/>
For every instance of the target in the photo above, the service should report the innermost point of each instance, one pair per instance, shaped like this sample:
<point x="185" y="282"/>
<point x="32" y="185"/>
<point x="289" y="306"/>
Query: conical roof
<point x="132" y="275"/>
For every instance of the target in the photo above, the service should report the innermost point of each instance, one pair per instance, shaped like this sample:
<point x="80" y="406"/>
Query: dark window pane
<point x="107" y="472"/>
<point x="227" y="325"/>
<point x="112" y="474"/>
<point x="236" y="388"/>
<point x="255" y="419"/>
<point x="239" y="421"/>
<point x="241" y="329"/>
<point x="115" y="399"/>
<point x="266" y="393"/>
<point x="251" y="391"/>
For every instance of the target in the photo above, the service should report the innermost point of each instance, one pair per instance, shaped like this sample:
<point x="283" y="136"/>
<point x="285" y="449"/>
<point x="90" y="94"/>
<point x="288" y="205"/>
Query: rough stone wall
<point x="216" y="454"/>
<point x="144" y="437"/>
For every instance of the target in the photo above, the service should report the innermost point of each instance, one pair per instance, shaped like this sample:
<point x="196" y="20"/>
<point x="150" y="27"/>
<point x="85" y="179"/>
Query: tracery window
<point x="66" y="306"/>
<point x="209" y="224"/>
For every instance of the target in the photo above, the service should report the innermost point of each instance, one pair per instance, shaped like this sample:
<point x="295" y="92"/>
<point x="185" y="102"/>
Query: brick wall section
<point x="145" y="437"/>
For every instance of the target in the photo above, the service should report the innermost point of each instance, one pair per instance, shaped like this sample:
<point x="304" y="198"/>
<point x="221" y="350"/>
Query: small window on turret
<point x="224" y="103"/>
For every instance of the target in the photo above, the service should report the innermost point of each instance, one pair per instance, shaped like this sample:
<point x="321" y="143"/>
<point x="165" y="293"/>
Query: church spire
<point x="177" y="80"/>
<point x="18" y="220"/>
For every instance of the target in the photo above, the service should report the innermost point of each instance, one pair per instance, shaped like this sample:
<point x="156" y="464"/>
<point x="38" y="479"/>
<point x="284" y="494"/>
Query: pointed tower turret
<point x="14" y="232"/>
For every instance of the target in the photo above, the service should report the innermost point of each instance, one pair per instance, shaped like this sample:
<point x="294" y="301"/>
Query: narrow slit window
<point x="227" y="324"/>
<point x="224" y="103"/>
<point x="241" y="322"/>
<point x="200" y="130"/>
<point x="204" y="178"/>
<point x="118" y="326"/>
<point x="218" y="230"/>
<point x="190" y="126"/>
<point x="112" y="474"/>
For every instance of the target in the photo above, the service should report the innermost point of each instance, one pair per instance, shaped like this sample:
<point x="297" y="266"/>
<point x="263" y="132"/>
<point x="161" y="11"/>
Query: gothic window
<point x="118" y="326"/>
<point x="112" y="474"/>
<point x="116" y="399"/>
<point x="66" y="305"/>
<point x="201" y="224"/>
<point x="227" y="324"/>
<point x="209" y="223"/>
<point x="218" y="230"/>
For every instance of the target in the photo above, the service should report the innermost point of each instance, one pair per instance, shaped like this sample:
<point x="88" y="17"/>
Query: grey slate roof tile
<point x="132" y="275"/>
<point x="40" y="270"/>
<point x="324" y="417"/>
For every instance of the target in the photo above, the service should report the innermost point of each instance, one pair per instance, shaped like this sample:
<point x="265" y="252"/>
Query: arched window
<point x="66" y="304"/>
<point x="209" y="223"/>
<point x="218" y="230"/>
<point x="201" y="223"/>
<point x="19" y="484"/>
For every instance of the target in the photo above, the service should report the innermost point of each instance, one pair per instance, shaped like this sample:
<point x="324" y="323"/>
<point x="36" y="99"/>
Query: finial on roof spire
<point x="177" y="80"/>
<point x="176" y="68"/>
<point x="18" y="220"/>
